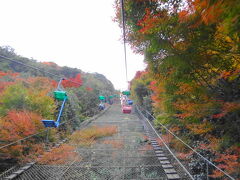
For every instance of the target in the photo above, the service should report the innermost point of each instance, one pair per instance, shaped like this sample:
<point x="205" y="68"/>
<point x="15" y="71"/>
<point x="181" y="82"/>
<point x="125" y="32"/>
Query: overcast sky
<point x="74" y="33"/>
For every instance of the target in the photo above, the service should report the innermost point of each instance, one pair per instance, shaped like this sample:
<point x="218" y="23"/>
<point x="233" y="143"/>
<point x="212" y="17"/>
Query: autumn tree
<point x="192" y="52"/>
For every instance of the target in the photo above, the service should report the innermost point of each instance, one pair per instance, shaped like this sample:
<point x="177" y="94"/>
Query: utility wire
<point x="27" y="137"/>
<point x="190" y="147"/>
<point x="124" y="38"/>
<point x="35" y="68"/>
<point x="15" y="142"/>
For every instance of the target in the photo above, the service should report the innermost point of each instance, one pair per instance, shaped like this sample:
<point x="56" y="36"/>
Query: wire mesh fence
<point x="127" y="154"/>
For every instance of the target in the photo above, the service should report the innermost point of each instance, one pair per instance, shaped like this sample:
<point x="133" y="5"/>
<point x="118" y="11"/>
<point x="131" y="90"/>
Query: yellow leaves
<point x="211" y="52"/>
<point x="228" y="39"/>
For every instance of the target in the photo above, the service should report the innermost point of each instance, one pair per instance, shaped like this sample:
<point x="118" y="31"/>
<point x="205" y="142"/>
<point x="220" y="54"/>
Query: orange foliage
<point x="228" y="162"/>
<point x="195" y="108"/>
<point x="89" y="89"/>
<point x="70" y="82"/>
<point x="50" y="64"/>
<point x="183" y="16"/>
<point x="213" y="144"/>
<point x="150" y="21"/>
<point x="208" y="12"/>
<point x="42" y="83"/>
<point x="175" y="129"/>
<point x="184" y="88"/>
<point x="158" y="89"/>
<point x="4" y="84"/>
<point x="202" y="128"/>
<point x="19" y="124"/>
<point x="60" y="155"/>
<point x="226" y="108"/>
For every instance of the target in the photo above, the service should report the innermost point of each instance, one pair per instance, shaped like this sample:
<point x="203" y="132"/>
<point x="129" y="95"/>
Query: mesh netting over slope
<point x="125" y="155"/>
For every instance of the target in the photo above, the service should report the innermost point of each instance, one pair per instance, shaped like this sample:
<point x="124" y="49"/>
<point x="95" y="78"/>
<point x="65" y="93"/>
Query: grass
<point x="60" y="155"/>
<point x="87" y="137"/>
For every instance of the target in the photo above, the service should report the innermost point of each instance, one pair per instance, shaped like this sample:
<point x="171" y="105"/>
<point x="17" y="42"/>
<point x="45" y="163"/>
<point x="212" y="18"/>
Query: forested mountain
<point x="26" y="98"/>
<point x="192" y="80"/>
<point x="94" y="80"/>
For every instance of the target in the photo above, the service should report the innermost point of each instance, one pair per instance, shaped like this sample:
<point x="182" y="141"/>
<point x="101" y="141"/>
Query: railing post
<point x="207" y="170"/>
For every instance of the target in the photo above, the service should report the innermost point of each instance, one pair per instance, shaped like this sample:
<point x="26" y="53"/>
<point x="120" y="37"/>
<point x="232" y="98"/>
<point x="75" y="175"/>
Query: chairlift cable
<point x="124" y="38"/>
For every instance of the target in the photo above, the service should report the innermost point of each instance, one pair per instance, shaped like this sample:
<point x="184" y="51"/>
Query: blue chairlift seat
<point x="130" y="102"/>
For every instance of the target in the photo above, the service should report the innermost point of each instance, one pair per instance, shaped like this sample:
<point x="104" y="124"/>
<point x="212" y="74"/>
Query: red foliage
<point x="226" y="108"/>
<point x="8" y="74"/>
<point x="183" y="15"/>
<point x="41" y="83"/>
<point x="139" y="74"/>
<point x="19" y="124"/>
<point x="15" y="126"/>
<point x="150" y="21"/>
<point x="227" y="161"/>
<point x="4" y="84"/>
<point x="2" y="74"/>
<point x="89" y="89"/>
<point x="73" y="82"/>
<point x="153" y="86"/>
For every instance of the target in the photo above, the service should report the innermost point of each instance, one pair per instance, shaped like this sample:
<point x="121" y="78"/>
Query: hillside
<point x="26" y="98"/>
<point x="98" y="81"/>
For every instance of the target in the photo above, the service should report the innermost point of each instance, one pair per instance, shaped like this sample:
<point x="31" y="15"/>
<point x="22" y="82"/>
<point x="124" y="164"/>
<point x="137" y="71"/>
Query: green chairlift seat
<point x="101" y="98"/>
<point x="127" y="93"/>
<point x="60" y="95"/>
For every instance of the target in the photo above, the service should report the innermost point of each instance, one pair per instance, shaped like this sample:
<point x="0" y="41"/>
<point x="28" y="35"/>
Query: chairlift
<point x="130" y="102"/>
<point x="126" y="109"/>
<point x="59" y="95"/>
<point x="101" y="98"/>
<point x="101" y="106"/>
<point x="127" y="93"/>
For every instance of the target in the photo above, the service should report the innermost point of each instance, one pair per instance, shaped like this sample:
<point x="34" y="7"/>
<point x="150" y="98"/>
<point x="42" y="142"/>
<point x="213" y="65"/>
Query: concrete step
<point x="173" y="176"/>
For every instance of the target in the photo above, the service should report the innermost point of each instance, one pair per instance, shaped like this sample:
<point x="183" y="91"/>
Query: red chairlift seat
<point x="126" y="109"/>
